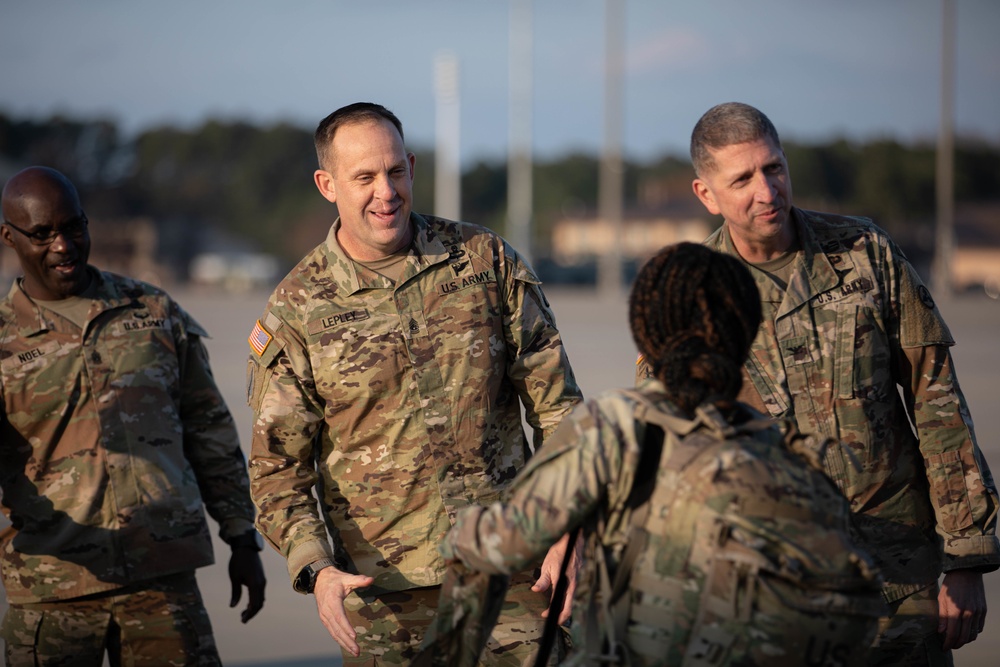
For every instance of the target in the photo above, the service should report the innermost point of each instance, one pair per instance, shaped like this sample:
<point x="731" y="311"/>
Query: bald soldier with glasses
<point x="114" y="439"/>
<point x="74" y="229"/>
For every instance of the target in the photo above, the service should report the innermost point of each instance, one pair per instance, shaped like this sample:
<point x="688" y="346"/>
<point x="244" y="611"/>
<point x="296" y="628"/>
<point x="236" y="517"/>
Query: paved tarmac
<point x="288" y="632"/>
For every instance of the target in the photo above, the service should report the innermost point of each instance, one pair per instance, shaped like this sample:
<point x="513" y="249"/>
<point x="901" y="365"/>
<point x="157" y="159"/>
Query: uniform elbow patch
<point x="949" y="489"/>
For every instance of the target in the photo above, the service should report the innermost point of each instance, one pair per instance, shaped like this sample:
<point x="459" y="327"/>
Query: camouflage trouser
<point x="160" y="622"/>
<point x="391" y="627"/>
<point x="909" y="637"/>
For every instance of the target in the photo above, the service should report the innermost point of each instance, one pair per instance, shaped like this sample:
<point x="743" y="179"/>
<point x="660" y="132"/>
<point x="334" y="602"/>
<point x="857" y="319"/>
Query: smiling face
<point x="38" y="201"/>
<point x="370" y="179"/>
<point x="750" y="187"/>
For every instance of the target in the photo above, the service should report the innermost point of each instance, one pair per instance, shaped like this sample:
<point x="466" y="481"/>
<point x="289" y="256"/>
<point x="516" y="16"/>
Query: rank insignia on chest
<point x="259" y="339"/>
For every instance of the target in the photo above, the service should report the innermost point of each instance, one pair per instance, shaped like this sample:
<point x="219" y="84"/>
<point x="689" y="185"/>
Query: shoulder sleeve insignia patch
<point x="259" y="339"/>
<point x="925" y="296"/>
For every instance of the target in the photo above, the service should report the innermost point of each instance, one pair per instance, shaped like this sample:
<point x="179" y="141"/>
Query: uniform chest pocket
<point x="468" y="303"/>
<point x="796" y="351"/>
<point x="23" y="362"/>
<point x="139" y="352"/>
<point x="352" y="364"/>
<point x="862" y="352"/>
<point x="37" y="382"/>
<point x="472" y="319"/>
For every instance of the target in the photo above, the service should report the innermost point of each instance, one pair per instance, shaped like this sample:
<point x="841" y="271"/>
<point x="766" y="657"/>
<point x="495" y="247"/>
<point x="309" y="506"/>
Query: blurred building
<point x="577" y="240"/>
<point x="665" y="212"/>
<point x="975" y="261"/>
<point x="128" y="247"/>
<point x="235" y="271"/>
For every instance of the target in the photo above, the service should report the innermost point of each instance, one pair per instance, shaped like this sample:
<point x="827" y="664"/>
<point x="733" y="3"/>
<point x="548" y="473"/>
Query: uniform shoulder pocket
<point x="258" y="375"/>
<point x="264" y="349"/>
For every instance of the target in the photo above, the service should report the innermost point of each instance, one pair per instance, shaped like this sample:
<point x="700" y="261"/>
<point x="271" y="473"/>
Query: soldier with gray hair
<point x="853" y="346"/>
<point x="388" y="372"/>
<point x="713" y="537"/>
<point x="114" y="436"/>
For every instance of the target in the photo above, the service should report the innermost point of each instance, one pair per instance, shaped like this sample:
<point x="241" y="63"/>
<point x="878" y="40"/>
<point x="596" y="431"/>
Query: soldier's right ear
<point x="325" y="185"/>
<point x="706" y="196"/>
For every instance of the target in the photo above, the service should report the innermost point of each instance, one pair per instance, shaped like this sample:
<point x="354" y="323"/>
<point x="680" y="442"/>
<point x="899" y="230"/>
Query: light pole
<point x="447" y="174"/>
<point x="945" y="165"/>
<point x="610" y="196"/>
<point x="519" y="162"/>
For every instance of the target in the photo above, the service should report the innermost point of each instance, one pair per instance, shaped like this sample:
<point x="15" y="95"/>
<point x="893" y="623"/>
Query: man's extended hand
<point x="961" y="608"/>
<point x="245" y="569"/>
<point x="332" y="586"/>
<point x="550" y="574"/>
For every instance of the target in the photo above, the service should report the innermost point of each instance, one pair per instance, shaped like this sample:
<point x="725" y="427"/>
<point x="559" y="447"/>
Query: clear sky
<point x="855" y="68"/>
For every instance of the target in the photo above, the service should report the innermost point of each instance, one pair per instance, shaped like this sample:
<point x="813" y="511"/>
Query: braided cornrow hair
<point x="694" y="313"/>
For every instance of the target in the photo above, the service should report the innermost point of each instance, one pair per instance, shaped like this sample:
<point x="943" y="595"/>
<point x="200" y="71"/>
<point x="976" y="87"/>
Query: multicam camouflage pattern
<point x="392" y="626"/>
<point x="515" y="637"/>
<point x="909" y="637"/>
<point x="735" y="516"/>
<point x="465" y="611"/>
<point x="163" y="624"/>
<point x="400" y="401"/>
<point x="855" y="321"/>
<point x="112" y="440"/>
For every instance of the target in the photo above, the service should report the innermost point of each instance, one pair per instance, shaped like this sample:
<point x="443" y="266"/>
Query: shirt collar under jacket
<point x="816" y="264"/>
<point x="426" y="249"/>
<point x="815" y="273"/>
<point x="31" y="319"/>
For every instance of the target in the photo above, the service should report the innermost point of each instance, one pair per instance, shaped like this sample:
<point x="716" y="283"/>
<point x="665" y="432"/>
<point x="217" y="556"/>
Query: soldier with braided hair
<point x="695" y="359"/>
<point x="712" y="536"/>
<point x="852" y="346"/>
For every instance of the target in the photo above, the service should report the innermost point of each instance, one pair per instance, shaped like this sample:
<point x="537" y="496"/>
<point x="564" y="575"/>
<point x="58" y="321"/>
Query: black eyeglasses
<point x="46" y="235"/>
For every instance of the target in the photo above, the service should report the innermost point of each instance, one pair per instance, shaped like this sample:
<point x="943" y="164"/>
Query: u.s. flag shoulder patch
<point x="259" y="339"/>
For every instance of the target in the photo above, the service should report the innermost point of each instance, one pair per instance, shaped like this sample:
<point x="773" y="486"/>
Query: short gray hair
<point x="724" y="125"/>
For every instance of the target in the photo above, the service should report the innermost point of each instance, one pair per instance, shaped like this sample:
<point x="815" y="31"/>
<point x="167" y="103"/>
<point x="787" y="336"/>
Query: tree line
<point x="255" y="181"/>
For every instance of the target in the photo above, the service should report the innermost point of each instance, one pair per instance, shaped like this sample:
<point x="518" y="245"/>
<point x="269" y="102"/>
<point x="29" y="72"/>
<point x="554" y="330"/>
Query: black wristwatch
<point x="306" y="581"/>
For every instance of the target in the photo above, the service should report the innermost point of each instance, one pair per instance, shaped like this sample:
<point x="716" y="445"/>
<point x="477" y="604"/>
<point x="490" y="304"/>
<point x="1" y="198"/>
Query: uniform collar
<point x="816" y="274"/>
<point x="426" y="249"/>
<point x="31" y="319"/>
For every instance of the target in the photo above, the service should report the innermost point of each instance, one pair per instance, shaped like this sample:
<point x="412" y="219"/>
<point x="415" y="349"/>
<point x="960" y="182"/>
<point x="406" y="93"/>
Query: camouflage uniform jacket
<point x="400" y="401"/>
<point x="854" y="322"/>
<point x="584" y="476"/>
<point x="112" y="438"/>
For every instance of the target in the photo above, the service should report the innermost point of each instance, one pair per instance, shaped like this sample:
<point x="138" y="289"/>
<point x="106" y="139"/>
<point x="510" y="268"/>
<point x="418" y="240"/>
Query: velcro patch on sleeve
<point x="259" y="339"/>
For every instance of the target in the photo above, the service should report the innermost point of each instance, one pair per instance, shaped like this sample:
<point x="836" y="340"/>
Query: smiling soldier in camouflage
<point x="113" y="435"/>
<point x="388" y="371"/>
